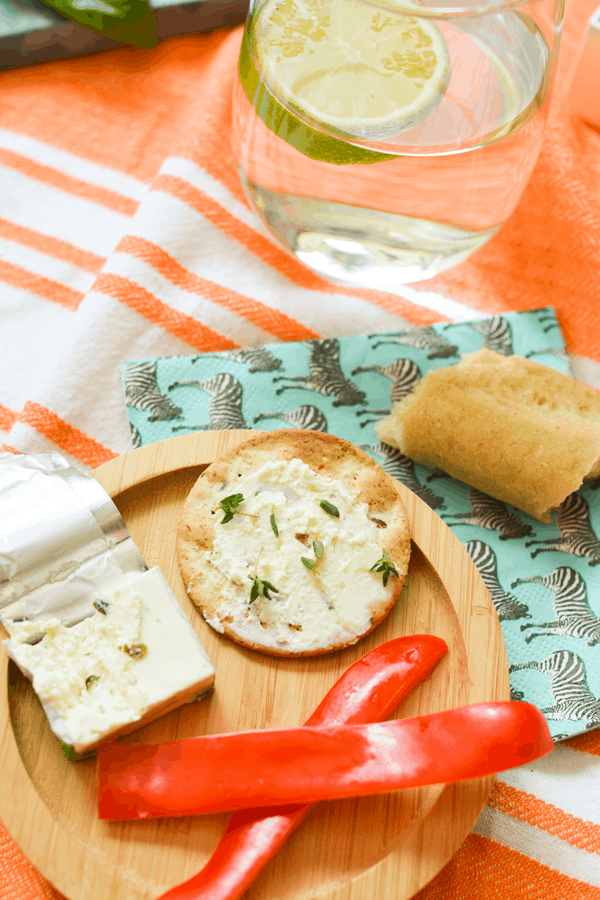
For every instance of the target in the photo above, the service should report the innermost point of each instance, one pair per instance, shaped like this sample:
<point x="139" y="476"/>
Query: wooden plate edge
<point x="467" y="799"/>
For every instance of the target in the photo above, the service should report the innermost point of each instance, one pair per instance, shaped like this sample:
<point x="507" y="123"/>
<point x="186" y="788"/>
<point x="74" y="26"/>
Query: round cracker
<point x="326" y="455"/>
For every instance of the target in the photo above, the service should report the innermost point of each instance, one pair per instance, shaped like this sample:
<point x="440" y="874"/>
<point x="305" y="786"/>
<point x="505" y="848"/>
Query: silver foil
<point x="61" y="538"/>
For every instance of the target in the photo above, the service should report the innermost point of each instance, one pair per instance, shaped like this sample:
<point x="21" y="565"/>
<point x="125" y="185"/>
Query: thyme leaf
<point x="318" y="548"/>
<point x="274" y="525"/>
<point x="309" y="563"/>
<point x="330" y="509"/>
<point x="261" y="588"/>
<point x="229" y="505"/>
<point x="35" y="638"/>
<point x="386" y="567"/>
<point x="101" y="606"/>
<point x="90" y="680"/>
<point x="136" y="651"/>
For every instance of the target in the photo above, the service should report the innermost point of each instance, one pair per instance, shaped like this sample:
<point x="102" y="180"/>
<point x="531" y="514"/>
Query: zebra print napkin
<point x="541" y="577"/>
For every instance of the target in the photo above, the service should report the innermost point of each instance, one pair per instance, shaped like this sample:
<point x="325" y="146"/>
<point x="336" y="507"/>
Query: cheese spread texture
<point x="138" y="649"/>
<point x="91" y="651"/>
<point x="316" y="602"/>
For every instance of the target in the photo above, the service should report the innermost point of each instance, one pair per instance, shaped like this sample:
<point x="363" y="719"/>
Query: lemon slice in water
<point x="359" y="71"/>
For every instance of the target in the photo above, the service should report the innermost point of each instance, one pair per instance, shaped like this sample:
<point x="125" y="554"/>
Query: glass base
<point x="350" y="245"/>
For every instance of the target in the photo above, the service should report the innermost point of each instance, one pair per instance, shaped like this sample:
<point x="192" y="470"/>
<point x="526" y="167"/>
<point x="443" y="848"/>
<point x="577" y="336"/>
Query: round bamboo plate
<point x="386" y="847"/>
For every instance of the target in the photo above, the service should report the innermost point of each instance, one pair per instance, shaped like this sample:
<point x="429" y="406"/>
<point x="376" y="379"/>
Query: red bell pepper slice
<point x="368" y="691"/>
<point x="302" y="765"/>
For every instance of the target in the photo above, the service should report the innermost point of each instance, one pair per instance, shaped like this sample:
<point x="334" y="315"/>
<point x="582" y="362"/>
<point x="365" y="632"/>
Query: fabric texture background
<point x="124" y="234"/>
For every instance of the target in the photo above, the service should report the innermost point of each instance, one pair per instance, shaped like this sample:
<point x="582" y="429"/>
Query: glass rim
<point x="475" y="8"/>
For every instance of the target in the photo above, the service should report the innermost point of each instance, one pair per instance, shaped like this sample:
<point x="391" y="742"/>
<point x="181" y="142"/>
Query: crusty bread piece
<point x="510" y="427"/>
<point x="286" y="622"/>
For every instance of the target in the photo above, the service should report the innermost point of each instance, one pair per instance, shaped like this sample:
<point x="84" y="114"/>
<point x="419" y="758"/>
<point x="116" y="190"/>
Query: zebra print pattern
<point x="260" y="359"/>
<point x="404" y="375"/>
<point x="141" y="392"/>
<point x="308" y="417"/>
<point x="436" y="474"/>
<point x="576" y="533"/>
<point x="558" y="353"/>
<point x="575" y="617"/>
<point x="325" y="375"/>
<point x="136" y="438"/>
<point x="507" y="606"/>
<point x="547" y="315"/>
<point x="572" y="696"/>
<point x="497" y="334"/>
<point x="425" y="338"/>
<point x="225" y="404"/>
<point x="403" y="469"/>
<point x="487" y="512"/>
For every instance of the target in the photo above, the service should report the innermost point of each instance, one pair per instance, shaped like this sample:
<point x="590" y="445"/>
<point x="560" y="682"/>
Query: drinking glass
<point x="383" y="141"/>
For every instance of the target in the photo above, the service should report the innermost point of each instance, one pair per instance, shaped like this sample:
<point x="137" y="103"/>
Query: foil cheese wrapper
<point x="61" y="539"/>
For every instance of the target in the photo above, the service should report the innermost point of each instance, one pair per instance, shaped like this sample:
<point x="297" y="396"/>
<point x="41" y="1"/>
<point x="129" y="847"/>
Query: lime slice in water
<point x="359" y="71"/>
<point x="309" y="141"/>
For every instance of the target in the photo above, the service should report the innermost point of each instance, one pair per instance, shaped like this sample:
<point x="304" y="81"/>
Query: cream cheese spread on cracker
<point x="318" y="563"/>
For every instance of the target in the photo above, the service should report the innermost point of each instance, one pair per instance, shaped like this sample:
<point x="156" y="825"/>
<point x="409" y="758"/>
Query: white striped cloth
<point x="124" y="234"/>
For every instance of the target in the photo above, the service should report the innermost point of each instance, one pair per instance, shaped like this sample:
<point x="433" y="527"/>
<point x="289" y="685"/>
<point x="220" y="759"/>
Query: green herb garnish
<point x="35" y="638"/>
<point x="260" y="587"/>
<point x="229" y="506"/>
<point x="309" y="563"/>
<point x="70" y="753"/>
<point x="330" y="509"/>
<point x="386" y="567"/>
<point x="90" y="680"/>
<point x="136" y="651"/>
<point x="274" y="525"/>
<point x="318" y="548"/>
<point x="101" y="606"/>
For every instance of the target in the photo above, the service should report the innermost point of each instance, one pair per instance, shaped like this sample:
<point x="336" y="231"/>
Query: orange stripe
<point x="146" y="304"/>
<point x="271" y="320"/>
<point x="7" y="418"/>
<point x="66" y="436"/>
<point x="281" y="261"/>
<point x="51" y="246"/>
<point x="37" y="284"/>
<point x="18" y="878"/>
<point x="484" y="870"/>
<point x="586" y="743"/>
<point x="6" y="448"/>
<point x="67" y="183"/>
<point x="529" y="809"/>
<point x="121" y="109"/>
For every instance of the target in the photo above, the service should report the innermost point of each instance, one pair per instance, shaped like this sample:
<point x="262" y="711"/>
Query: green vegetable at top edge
<point x="126" y="21"/>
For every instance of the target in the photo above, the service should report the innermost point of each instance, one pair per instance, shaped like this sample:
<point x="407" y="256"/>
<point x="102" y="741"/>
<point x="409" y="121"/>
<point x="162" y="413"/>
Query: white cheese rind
<point x="140" y="612"/>
<point x="311" y="610"/>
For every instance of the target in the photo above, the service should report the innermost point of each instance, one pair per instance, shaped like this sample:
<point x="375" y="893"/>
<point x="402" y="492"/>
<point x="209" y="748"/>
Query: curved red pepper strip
<point x="368" y="691"/>
<point x="302" y="765"/>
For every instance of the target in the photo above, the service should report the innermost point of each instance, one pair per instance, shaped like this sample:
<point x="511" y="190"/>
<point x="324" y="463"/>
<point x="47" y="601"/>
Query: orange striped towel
<point x="124" y="234"/>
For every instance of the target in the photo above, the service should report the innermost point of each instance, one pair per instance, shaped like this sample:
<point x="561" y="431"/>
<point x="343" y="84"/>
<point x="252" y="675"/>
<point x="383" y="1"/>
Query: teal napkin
<point x="542" y="578"/>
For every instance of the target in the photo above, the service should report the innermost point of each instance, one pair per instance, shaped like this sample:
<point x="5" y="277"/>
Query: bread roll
<point x="512" y="428"/>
